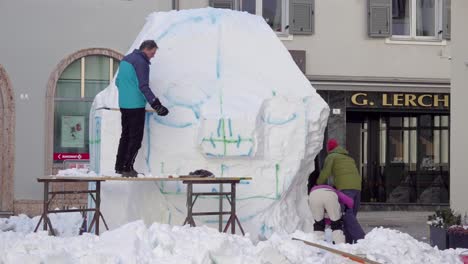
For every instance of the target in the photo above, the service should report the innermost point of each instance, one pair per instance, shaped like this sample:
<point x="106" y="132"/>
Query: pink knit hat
<point x="332" y="144"/>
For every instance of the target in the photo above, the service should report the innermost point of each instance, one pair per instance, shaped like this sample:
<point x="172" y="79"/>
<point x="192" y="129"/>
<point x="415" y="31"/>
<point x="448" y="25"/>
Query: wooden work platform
<point x="96" y="197"/>
<point x="54" y="178"/>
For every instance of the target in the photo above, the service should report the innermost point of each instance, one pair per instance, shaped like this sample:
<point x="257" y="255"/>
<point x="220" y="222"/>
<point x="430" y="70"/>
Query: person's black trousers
<point x="133" y="125"/>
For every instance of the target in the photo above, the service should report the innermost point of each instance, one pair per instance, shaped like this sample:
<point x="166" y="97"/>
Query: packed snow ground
<point x="161" y="243"/>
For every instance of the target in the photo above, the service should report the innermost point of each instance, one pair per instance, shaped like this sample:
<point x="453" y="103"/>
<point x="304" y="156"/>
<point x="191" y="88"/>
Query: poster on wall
<point x="73" y="128"/>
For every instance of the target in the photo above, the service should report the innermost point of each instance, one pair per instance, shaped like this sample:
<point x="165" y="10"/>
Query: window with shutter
<point x="409" y="19"/>
<point x="301" y="17"/>
<point x="379" y="22"/>
<point x="276" y="13"/>
<point x="227" y="4"/>
<point x="446" y="19"/>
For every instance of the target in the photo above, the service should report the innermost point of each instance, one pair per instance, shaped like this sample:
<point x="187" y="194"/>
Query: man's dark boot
<point x="130" y="173"/>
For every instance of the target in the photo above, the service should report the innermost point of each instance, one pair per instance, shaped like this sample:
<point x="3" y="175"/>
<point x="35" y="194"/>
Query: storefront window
<point x="76" y="88"/>
<point x="396" y="144"/>
<point x="413" y="157"/>
<point x="383" y="141"/>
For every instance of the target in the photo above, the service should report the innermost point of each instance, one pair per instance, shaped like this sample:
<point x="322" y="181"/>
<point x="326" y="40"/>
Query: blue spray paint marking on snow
<point x="212" y="141"/>
<point x="165" y="122"/>
<point x="214" y="155"/>
<point x="250" y="151"/>
<point x="98" y="146"/>
<point x="279" y="122"/>
<point x="214" y="190"/>
<point x="239" y="139"/>
<point x="264" y="229"/>
<point x="218" y="55"/>
<point x="219" y="128"/>
<point x="95" y="159"/>
<point x="244" y="182"/>
<point x="214" y="16"/>
<point x="195" y="106"/>
<point x="214" y="221"/>
<point x="230" y="127"/>
<point x="224" y="168"/>
<point x="196" y="19"/>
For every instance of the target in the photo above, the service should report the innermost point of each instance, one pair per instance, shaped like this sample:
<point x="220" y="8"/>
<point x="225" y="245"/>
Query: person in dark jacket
<point x="347" y="179"/>
<point x="134" y="92"/>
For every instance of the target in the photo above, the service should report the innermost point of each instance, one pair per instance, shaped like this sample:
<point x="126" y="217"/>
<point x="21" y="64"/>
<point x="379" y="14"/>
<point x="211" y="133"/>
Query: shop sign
<point x="399" y="100"/>
<point x="71" y="156"/>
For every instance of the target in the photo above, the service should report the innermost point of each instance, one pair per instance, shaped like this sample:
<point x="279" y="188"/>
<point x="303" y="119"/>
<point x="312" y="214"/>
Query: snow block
<point x="239" y="106"/>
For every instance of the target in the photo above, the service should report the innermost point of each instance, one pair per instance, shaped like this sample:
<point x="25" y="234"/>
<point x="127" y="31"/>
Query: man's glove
<point x="160" y="109"/>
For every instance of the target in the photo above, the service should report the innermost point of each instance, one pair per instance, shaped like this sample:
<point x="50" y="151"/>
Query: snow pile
<point x="239" y="106"/>
<point x="160" y="243"/>
<point x="392" y="246"/>
<point x="64" y="224"/>
<point x="77" y="172"/>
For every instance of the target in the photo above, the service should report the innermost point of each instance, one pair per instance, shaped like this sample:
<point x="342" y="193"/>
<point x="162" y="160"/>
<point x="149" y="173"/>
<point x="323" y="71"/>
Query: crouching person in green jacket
<point x="347" y="179"/>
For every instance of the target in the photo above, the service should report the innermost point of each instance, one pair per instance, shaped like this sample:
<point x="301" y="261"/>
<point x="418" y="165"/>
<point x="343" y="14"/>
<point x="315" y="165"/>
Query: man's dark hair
<point x="148" y="44"/>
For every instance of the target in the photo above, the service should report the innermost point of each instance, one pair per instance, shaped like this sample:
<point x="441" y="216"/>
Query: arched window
<point x="7" y="136"/>
<point x="77" y="80"/>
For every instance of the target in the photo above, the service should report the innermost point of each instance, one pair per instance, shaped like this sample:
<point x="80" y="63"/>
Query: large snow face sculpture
<point x="239" y="106"/>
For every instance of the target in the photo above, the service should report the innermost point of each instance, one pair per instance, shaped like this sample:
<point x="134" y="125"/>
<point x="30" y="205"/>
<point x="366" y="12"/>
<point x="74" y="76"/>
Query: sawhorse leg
<point x="233" y="208"/>
<point x="233" y="217"/>
<point x="97" y="210"/>
<point x="45" y="211"/>
<point x="220" y="223"/>
<point x="189" y="218"/>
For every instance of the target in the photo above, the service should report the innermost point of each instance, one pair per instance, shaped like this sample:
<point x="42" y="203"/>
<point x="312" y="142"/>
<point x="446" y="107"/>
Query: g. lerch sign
<point x="410" y="101"/>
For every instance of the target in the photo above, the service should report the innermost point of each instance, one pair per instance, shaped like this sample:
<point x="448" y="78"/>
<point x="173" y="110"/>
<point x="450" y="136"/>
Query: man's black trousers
<point x="133" y="125"/>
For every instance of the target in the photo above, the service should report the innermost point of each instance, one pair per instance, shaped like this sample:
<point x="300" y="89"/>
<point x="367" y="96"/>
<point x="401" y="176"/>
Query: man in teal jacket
<point x="134" y="92"/>
<point x="347" y="179"/>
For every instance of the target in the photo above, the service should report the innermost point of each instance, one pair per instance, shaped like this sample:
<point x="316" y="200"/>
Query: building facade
<point x="459" y="142"/>
<point x="382" y="65"/>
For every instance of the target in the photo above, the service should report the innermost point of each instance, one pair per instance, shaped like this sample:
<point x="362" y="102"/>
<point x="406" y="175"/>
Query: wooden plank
<point x="339" y="252"/>
<point x="108" y="178"/>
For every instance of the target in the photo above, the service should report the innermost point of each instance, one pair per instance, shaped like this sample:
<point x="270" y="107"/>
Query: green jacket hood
<point x="340" y="150"/>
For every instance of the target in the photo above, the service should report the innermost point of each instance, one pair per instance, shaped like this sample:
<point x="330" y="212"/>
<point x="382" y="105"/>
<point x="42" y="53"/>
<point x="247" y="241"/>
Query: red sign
<point x="71" y="156"/>
<point x="78" y="164"/>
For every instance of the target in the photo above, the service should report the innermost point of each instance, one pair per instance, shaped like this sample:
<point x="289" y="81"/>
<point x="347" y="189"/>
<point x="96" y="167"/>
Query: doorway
<point x="403" y="158"/>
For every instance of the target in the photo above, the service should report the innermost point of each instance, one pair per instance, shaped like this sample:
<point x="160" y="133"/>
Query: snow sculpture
<point x="239" y="106"/>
